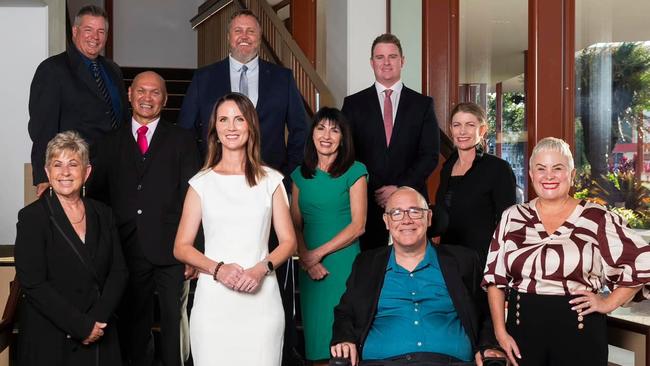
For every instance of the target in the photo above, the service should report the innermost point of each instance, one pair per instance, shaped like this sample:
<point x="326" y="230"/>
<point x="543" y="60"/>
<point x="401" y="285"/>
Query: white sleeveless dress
<point x="227" y="327"/>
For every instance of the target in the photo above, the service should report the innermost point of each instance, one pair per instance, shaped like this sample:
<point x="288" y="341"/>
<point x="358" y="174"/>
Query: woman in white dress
<point x="237" y="317"/>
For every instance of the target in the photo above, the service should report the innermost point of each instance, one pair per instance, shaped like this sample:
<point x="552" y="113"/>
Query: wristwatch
<point x="269" y="267"/>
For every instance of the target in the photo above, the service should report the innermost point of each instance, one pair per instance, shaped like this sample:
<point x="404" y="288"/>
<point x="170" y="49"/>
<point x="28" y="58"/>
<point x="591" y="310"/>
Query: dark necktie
<point x="388" y="115"/>
<point x="97" y="74"/>
<point x="243" y="81"/>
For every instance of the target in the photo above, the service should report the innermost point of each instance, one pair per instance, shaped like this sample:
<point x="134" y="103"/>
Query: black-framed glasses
<point x="415" y="213"/>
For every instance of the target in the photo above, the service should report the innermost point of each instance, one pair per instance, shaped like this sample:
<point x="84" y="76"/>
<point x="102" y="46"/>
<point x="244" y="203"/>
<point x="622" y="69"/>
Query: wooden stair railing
<point x="278" y="46"/>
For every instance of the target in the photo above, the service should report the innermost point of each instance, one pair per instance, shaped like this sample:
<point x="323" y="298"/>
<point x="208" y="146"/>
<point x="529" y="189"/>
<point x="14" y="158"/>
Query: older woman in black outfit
<point x="70" y="265"/>
<point x="475" y="187"/>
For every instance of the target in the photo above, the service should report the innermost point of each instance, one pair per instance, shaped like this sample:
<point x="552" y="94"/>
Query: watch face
<point x="269" y="266"/>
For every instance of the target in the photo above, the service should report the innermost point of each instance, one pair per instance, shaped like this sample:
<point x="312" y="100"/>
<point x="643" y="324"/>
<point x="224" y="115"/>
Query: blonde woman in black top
<point x="475" y="187"/>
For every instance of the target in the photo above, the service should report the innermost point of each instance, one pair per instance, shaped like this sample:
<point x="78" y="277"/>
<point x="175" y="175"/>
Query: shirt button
<point x="419" y="344"/>
<point x="416" y="310"/>
<point x="417" y="303"/>
<point x="416" y="322"/>
<point x="139" y="188"/>
<point x="139" y="212"/>
<point x="68" y="336"/>
<point x="411" y="275"/>
<point x="413" y="293"/>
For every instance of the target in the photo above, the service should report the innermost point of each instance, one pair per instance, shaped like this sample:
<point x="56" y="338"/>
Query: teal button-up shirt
<point x="415" y="314"/>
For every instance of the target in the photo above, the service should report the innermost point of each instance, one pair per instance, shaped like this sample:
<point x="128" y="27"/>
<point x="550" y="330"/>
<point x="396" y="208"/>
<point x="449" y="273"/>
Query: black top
<point x="474" y="201"/>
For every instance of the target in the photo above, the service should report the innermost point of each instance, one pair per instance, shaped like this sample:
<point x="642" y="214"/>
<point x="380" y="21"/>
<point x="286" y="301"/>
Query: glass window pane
<point x="612" y="65"/>
<point x="493" y="40"/>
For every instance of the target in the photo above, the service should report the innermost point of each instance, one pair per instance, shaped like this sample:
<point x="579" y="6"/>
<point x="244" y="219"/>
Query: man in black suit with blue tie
<point x="142" y="171"/>
<point x="78" y="89"/>
<point x="396" y="135"/>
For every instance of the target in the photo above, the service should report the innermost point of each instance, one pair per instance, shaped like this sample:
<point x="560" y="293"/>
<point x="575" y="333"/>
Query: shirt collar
<point x="396" y="88"/>
<point x="430" y="259"/>
<point x="236" y="65"/>
<point x="151" y="125"/>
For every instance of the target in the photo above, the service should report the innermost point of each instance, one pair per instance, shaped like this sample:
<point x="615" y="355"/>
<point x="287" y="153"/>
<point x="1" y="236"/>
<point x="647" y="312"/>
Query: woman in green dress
<point x="328" y="208"/>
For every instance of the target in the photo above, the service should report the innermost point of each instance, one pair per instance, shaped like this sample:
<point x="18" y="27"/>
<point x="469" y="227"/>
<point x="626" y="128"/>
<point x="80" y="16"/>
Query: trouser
<point x="418" y="359"/>
<point x="548" y="332"/>
<point x="137" y="312"/>
<point x="375" y="235"/>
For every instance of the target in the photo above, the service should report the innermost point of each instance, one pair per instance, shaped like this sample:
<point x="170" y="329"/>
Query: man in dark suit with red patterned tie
<point x="78" y="89"/>
<point x="142" y="171"/>
<point x="395" y="132"/>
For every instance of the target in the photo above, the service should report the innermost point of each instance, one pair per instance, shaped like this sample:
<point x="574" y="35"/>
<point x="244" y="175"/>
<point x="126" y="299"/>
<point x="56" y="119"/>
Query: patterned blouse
<point x="592" y="248"/>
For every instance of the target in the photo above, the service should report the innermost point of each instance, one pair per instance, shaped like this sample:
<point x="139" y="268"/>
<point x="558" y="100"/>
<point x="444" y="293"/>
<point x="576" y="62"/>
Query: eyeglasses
<point x="415" y="213"/>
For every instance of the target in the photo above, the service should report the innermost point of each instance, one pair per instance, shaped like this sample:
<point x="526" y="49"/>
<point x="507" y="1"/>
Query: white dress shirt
<point x="253" y="75"/>
<point x="151" y="128"/>
<point x="394" y="98"/>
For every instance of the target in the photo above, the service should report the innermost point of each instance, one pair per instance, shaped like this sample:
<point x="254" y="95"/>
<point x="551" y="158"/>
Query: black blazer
<point x="355" y="312"/>
<point x="279" y="105"/>
<point x="64" y="96"/>
<point x="65" y="293"/>
<point x="413" y="151"/>
<point x="146" y="192"/>
<point x="475" y="203"/>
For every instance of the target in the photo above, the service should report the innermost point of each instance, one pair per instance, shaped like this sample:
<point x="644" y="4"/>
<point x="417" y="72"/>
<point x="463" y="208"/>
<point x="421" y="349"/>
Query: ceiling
<point x="494" y="34"/>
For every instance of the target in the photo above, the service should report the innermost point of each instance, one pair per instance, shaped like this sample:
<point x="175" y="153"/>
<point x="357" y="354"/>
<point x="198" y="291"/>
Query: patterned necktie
<point x="243" y="81"/>
<point x="388" y="115"/>
<point x="94" y="65"/>
<point x="142" y="139"/>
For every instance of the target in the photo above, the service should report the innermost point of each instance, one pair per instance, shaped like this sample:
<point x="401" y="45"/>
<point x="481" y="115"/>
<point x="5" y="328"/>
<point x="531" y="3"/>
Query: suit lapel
<point x="375" y="121"/>
<point x="264" y="85"/>
<point x="129" y="149"/>
<point x="456" y="288"/>
<point x="82" y="71"/>
<point x="403" y="105"/>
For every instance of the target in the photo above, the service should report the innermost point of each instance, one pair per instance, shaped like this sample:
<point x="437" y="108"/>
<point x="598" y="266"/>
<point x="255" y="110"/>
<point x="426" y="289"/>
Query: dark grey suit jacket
<point x="64" y="96"/>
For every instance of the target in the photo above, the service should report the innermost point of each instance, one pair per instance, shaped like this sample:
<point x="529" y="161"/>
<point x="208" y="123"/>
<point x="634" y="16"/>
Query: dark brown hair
<point x="386" y="38"/>
<point x="253" y="167"/>
<point x="345" y="154"/>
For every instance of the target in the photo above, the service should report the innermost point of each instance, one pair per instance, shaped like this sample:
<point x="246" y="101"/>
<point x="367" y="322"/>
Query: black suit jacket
<point x="279" y="105"/>
<point x="146" y="192"/>
<point x="65" y="293"/>
<point x="413" y="151"/>
<point x="64" y="96"/>
<point x="355" y="313"/>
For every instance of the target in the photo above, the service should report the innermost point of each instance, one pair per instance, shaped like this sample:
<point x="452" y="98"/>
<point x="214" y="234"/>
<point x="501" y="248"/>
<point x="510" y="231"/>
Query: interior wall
<point x="406" y="24"/>
<point x="360" y="37"/>
<point x="29" y="47"/>
<point x="336" y="59"/>
<point x="144" y="30"/>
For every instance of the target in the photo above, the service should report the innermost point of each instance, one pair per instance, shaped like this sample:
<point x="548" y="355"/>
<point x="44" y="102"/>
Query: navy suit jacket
<point x="279" y="104"/>
<point x="64" y="96"/>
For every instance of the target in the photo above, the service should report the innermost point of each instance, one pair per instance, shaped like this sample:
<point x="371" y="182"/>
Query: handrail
<point x="278" y="46"/>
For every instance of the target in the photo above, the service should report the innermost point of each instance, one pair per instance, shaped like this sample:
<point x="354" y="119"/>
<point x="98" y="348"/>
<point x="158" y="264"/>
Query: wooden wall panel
<point x="303" y="27"/>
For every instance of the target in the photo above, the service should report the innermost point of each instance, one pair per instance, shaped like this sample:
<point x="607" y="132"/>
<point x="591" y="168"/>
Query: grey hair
<point x="70" y="141"/>
<point x="421" y="200"/>
<point x="553" y="144"/>
<point x="91" y="10"/>
<point x="247" y="13"/>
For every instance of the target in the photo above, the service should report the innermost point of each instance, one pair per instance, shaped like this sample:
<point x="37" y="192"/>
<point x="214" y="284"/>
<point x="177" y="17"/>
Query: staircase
<point x="177" y="80"/>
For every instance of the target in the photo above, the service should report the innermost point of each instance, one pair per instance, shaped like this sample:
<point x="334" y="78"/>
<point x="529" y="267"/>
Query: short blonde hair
<point x="70" y="141"/>
<point x="553" y="144"/>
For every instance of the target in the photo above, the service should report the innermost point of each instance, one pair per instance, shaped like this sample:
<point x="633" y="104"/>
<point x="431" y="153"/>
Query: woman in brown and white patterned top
<point x="555" y="254"/>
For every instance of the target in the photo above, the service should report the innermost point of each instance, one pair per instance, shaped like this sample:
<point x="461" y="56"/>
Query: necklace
<point x="83" y="216"/>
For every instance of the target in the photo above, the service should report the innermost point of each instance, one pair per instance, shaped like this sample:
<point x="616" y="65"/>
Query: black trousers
<point x="375" y="235"/>
<point x="549" y="333"/>
<point x="137" y="311"/>
<point x="418" y="359"/>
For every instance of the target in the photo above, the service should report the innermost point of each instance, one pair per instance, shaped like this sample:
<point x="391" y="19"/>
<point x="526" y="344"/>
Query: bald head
<point x="148" y="95"/>
<point x="404" y="190"/>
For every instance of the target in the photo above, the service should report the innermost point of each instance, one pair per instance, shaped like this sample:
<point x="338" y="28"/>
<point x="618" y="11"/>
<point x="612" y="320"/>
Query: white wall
<point x="154" y="33"/>
<point x="29" y="46"/>
<point x="406" y="24"/>
<point x="366" y="21"/>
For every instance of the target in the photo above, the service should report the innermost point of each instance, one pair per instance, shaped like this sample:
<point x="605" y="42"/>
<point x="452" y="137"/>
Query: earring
<point x="218" y="141"/>
<point x="83" y="191"/>
<point x="51" y="191"/>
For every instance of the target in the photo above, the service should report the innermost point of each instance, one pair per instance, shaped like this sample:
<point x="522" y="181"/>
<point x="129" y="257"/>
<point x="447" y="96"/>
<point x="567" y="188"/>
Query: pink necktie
<point x="388" y="115"/>
<point x="142" y="139"/>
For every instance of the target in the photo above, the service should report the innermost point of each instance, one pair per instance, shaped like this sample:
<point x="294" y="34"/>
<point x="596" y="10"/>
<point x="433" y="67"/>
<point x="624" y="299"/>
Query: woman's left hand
<point x="587" y="302"/>
<point x="310" y="258"/>
<point x="251" y="279"/>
